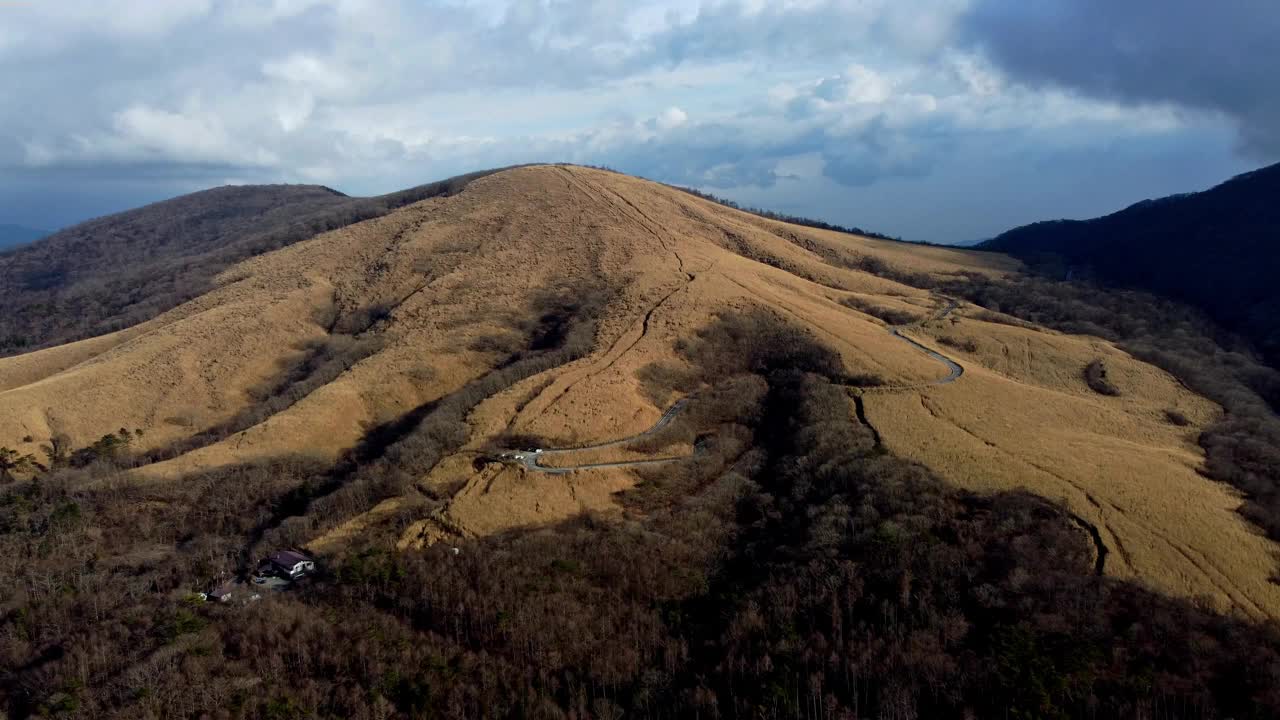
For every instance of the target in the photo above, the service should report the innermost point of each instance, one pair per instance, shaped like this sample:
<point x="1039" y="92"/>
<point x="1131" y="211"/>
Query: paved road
<point x="532" y="460"/>
<point x="955" y="370"/>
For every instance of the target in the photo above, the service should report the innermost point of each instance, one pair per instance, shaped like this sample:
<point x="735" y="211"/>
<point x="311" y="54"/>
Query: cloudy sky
<point x="940" y="120"/>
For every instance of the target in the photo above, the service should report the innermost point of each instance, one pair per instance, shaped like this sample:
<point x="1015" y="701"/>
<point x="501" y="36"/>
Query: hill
<point x="1218" y="250"/>
<point x="110" y="273"/>
<point x="574" y="444"/>
<point x="14" y="235"/>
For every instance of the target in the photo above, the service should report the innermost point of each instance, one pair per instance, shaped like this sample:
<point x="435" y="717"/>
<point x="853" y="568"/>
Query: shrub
<point x="891" y="316"/>
<point x="1095" y="376"/>
<point x="966" y="344"/>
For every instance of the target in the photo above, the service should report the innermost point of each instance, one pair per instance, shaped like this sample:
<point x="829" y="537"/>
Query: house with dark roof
<point x="290" y="564"/>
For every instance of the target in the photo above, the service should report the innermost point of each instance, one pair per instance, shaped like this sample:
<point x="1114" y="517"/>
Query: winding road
<point x="954" y="369"/>
<point x="531" y="460"/>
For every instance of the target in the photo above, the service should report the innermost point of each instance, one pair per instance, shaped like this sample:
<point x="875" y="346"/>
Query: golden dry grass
<point x="460" y="268"/>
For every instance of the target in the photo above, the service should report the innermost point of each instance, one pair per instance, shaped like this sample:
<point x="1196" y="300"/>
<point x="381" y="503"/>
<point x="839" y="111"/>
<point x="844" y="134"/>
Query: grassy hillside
<point x="786" y="471"/>
<point x="1218" y="250"/>
<point x="117" y="271"/>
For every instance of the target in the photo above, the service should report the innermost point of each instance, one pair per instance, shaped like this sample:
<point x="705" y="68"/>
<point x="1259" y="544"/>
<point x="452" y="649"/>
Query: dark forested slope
<point x="1216" y="249"/>
<point x="119" y="270"/>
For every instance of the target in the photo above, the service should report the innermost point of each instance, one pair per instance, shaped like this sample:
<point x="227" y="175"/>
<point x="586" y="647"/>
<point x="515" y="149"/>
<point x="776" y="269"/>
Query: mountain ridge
<point x="1216" y="249"/>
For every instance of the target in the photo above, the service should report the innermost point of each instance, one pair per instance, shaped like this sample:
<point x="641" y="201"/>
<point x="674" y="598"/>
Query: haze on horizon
<point x="939" y="120"/>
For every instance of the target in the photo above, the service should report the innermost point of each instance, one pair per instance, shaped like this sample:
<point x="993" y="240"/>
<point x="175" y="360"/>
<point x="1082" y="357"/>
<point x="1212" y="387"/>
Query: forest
<point x="1214" y="250"/>
<point x="794" y="569"/>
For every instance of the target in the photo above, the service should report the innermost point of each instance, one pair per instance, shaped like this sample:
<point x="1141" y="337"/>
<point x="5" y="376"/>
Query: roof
<point x="222" y="591"/>
<point x="288" y="558"/>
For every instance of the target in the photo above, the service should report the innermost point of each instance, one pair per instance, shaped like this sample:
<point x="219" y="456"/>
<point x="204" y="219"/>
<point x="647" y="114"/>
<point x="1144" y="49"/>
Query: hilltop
<point x="750" y="429"/>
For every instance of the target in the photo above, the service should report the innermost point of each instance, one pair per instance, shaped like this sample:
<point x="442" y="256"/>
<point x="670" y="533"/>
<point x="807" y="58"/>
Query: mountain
<point x="1218" y="250"/>
<point x="568" y="443"/>
<point x="113" y="272"/>
<point x="15" y="235"/>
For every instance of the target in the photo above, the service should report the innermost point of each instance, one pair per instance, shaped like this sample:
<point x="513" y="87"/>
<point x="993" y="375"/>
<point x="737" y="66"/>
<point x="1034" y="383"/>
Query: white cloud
<point x="141" y="134"/>
<point x="671" y="118"/>
<point x="372" y="94"/>
<point x="47" y="27"/>
<point x="310" y="73"/>
<point x="293" y="110"/>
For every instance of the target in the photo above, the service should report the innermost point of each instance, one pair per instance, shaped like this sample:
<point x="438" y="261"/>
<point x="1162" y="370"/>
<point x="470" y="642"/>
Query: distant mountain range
<point x="1218" y="249"/>
<point x="15" y="235"/>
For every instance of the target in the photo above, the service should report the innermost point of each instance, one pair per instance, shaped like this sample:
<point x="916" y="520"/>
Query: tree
<point x="109" y="447"/>
<point x="57" y="450"/>
<point x="11" y="463"/>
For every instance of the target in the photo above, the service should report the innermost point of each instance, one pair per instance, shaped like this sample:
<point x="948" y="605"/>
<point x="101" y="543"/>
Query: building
<point x="291" y="564"/>
<point x="222" y="593"/>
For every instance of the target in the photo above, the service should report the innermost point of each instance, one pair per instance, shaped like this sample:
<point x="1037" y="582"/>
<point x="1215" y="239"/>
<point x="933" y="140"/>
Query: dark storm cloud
<point x="1221" y="55"/>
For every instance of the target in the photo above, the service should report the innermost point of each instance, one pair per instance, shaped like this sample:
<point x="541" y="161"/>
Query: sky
<point x="936" y="120"/>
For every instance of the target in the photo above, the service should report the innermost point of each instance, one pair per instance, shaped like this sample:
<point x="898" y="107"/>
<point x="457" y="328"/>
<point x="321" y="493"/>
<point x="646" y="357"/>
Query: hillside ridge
<point x="1214" y="249"/>
<point x="119" y="270"/>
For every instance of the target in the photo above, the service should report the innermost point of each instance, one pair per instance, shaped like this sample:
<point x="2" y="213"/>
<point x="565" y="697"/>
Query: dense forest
<point x="114" y="272"/>
<point x="1218" y="250"/>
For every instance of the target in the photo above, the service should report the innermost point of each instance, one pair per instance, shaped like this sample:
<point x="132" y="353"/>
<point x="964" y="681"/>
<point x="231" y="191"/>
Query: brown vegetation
<point x="965" y="344"/>
<point x="810" y="573"/>
<point x="320" y="363"/>
<point x="114" y="272"/>
<point x="1243" y="448"/>
<point x="1095" y="376"/>
<point x="892" y="316"/>
<point x="792" y="565"/>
